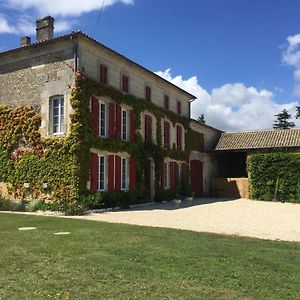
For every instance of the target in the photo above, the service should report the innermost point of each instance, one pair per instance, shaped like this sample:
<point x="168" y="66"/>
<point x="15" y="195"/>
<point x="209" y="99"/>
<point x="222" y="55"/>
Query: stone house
<point x="135" y="112"/>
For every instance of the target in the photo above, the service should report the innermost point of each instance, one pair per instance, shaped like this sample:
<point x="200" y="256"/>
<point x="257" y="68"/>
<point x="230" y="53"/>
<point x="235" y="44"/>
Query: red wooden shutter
<point x="132" y="173"/>
<point x="111" y="173"/>
<point x="118" y="121"/>
<point x="146" y="127"/>
<point x="148" y="93"/>
<point x="172" y="182"/>
<point x="163" y="176"/>
<point x="118" y="173"/>
<point x="95" y="115"/>
<point x="103" y="74"/>
<point x="111" y="129"/>
<point x="94" y="172"/>
<point x="132" y="125"/>
<point x="167" y="134"/>
<point x="125" y="83"/>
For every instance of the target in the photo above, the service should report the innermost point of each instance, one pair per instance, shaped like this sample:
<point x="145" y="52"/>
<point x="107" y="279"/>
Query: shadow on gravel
<point x="171" y="205"/>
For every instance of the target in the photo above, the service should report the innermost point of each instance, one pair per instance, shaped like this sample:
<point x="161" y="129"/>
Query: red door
<point x="197" y="177"/>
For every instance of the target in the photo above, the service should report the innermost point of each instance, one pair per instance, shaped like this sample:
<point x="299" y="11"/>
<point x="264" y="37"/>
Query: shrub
<point x="275" y="176"/>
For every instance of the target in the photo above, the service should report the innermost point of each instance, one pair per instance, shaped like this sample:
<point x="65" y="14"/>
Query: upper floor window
<point x="148" y="128"/>
<point x="123" y="174"/>
<point x="103" y="74"/>
<point x="102" y="119"/>
<point x="58" y="104"/>
<point x="125" y="84"/>
<point x="166" y="135"/>
<point x="166" y="102"/>
<point x="179" y="137"/>
<point x="179" y="107"/>
<point x="148" y="93"/>
<point x="124" y="125"/>
<point x="101" y="178"/>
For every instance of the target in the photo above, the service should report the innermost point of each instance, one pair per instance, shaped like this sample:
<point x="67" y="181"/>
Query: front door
<point x="197" y="177"/>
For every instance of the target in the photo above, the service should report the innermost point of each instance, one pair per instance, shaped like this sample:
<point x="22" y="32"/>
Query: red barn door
<point x="197" y="177"/>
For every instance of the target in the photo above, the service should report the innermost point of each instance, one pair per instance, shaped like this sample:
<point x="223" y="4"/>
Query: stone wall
<point x="33" y="77"/>
<point x="231" y="187"/>
<point x="91" y="56"/>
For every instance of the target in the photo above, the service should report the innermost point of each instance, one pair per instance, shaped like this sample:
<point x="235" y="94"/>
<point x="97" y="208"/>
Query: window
<point x="103" y="74"/>
<point x="166" y="102"/>
<point x="124" y="174"/>
<point x="101" y="184"/>
<point x="179" y="137"/>
<point x="102" y="119"/>
<point x="167" y="175"/>
<point x="166" y="135"/>
<point x="179" y="173"/>
<point x="124" y="125"/>
<point x="148" y="128"/>
<point x="179" y="107"/>
<point x="148" y="93"/>
<point x="125" y="84"/>
<point x="58" y="115"/>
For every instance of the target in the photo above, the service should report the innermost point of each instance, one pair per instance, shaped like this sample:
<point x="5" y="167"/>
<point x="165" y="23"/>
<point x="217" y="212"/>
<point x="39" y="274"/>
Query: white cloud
<point x="4" y="26"/>
<point x="232" y="107"/>
<point x="61" y="8"/>
<point x="27" y="11"/>
<point x="291" y="57"/>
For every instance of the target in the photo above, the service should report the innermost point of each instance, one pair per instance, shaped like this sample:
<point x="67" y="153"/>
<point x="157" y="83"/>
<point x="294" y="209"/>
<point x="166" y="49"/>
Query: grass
<point x="112" y="261"/>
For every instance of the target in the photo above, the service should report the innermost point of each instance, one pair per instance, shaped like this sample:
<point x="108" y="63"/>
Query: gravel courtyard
<point x="242" y="217"/>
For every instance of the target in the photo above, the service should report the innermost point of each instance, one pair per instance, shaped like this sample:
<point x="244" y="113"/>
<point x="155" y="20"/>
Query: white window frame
<point x="124" y="174"/>
<point x="167" y="175"/>
<point x="61" y="115"/>
<point x="179" y="172"/>
<point x="106" y="117"/>
<point x="100" y="157"/>
<point x="126" y="132"/>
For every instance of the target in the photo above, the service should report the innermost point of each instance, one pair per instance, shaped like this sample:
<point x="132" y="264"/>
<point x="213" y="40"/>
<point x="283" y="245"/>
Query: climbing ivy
<point x="275" y="176"/>
<point x="64" y="163"/>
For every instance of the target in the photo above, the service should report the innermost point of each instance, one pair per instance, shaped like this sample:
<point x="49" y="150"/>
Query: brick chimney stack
<point x="44" y="29"/>
<point x="25" y="41"/>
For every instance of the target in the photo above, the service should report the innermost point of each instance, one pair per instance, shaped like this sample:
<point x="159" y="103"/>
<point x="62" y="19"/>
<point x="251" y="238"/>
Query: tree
<point x="201" y="119"/>
<point x="282" y="120"/>
<point x="298" y="112"/>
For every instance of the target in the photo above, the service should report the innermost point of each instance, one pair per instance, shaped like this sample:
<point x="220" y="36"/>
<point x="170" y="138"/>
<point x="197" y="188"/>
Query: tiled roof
<point x="79" y="33"/>
<point x="289" y="138"/>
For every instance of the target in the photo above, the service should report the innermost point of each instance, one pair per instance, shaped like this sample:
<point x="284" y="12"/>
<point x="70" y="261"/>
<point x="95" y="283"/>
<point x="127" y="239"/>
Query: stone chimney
<point x="25" y="41"/>
<point x="44" y="29"/>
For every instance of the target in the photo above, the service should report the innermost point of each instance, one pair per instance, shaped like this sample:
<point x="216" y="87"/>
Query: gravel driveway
<point x="243" y="217"/>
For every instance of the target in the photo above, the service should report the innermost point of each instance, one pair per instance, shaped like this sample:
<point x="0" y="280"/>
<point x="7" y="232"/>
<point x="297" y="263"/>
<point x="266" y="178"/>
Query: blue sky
<point x="241" y="58"/>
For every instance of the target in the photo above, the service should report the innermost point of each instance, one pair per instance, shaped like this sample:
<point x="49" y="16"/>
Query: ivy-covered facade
<point x="75" y="122"/>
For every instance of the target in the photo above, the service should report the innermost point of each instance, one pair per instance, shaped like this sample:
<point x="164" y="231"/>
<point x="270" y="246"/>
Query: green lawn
<point x="110" y="261"/>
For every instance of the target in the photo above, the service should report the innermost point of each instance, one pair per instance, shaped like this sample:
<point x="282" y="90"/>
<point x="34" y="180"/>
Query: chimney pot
<point x="25" y="41"/>
<point x="44" y="29"/>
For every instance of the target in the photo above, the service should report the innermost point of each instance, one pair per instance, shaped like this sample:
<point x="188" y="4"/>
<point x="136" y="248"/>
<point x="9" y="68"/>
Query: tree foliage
<point x="201" y="119"/>
<point x="282" y="120"/>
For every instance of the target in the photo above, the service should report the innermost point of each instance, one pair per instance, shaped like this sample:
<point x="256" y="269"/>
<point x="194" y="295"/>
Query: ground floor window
<point x="101" y="184"/>
<point x="124" y="174"/>
<point x="167" y="175"/>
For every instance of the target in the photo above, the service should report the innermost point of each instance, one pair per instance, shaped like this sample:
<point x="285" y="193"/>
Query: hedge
<point x="275" y="176"/>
